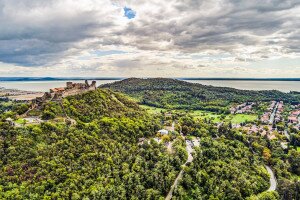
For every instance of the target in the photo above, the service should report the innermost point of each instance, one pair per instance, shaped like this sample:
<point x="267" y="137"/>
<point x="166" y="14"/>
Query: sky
<point x="157" y="38"/>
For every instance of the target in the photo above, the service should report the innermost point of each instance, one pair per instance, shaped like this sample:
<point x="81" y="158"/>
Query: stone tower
<point x="69" y="85"/>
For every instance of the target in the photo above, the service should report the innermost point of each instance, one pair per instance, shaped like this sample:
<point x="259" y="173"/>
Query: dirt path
<point x="190" y="158"/>
<point x="174" y="185"/>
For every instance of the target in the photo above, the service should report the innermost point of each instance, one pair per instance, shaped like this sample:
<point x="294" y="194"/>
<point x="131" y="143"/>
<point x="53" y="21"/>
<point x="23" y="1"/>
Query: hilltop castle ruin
<point x="70" y="89"/>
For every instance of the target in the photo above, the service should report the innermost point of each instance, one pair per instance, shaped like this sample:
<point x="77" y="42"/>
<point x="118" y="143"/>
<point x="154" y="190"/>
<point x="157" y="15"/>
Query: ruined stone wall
<point x="71" y="89"/>
<point x="72" y="92"/>
<point x="77" y="91"/>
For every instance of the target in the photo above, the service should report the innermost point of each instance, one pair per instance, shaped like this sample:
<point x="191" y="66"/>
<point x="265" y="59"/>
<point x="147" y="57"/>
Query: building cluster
<point x="242" y="108"/>
<point x="268" y="116"/>
<point x="70" y="89"/>
<point x="294" y="117"/>
<point x="273" y="113"/>
<point x="265" y="118"/>
<point x="262" y="130"/>
<point x="279" y="111"/>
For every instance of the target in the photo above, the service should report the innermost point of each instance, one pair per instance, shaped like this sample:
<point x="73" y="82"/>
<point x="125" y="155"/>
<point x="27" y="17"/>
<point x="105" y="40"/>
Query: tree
<point x="266" y="154"/>
<point x="48" y="115"/>
<point x="294" y="160"/>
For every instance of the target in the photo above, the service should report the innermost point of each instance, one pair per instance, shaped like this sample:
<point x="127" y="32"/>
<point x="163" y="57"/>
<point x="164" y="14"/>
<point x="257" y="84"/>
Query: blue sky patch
<point x="107" y="53"/>
<point x="129" y="13"/>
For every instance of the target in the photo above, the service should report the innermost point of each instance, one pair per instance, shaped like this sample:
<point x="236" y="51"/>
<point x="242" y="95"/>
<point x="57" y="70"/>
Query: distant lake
<point x="43" y="86"/>
<point x="284" y="86"/>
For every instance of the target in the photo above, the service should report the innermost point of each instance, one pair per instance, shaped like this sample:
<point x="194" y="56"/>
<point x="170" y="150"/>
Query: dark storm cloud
<point x="221" y="25"/>
<point x="38" y="32"/>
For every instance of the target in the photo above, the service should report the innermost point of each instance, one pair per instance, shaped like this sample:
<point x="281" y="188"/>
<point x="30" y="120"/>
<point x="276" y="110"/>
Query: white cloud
<point x="166" y="38"/>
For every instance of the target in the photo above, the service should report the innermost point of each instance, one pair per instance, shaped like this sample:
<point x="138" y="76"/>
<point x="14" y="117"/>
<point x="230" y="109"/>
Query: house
<point x="232" y="110"/>
<point x="263" y="133"/>
<point x="280" y="107"/>
<point x="265" y="118"/>
<point x="272" y="137"/>
<point x="284" y="145"/>
<point x="141" y="141"/>
<point x="168" y="114"/>
<point x="243" y="108"/>
<point x="10" y="121"/>
<point x="293" y="119"/>
<point x="253" y="129"/>
<point x="296" y="112"/>
<point x="163" y="132"/>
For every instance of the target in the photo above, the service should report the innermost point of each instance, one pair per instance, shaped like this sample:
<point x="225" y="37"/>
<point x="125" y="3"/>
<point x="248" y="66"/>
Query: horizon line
<point x="53" y="78"/>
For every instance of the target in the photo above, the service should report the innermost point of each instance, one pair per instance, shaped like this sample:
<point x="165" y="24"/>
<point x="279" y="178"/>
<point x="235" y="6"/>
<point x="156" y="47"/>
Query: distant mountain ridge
<point x="56" y="78"/>
<point x="178" y="94"/>
<point x="122" y="78"/>
<point x="243" y="79"/>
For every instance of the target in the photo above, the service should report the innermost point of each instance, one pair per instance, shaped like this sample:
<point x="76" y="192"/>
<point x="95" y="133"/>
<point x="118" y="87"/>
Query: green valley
<point x="151" y="139"/>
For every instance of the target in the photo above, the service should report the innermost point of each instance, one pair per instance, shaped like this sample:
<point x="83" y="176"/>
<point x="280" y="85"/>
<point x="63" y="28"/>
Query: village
<point x="275" y="120"/>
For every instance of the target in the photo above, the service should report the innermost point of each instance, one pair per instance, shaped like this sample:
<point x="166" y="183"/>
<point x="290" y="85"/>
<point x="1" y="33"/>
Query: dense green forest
<point x="223" y="169"/>
<point x="99" y="158"/>
<point x="230" y="165"/>
<point x="88" y="147"/>
<point x="176" y="94"/>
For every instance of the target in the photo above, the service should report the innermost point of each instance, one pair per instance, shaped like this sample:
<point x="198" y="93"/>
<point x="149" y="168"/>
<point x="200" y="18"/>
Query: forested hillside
<point x="223" y="169"/>
<point x="230" y="165"/>
<point x="99" y="158"/>
<point x="89" y="146"/>
<point x="176" y="94"/>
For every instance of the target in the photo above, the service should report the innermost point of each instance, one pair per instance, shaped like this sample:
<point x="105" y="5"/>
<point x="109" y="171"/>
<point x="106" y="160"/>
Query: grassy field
<point x="152" y="110"/>
<point x="235" y="119"/>
<point x="206" y="115"/>
<point x="241" y="118"/>
<point x="215" y="117"/>
<point x="20" y="121"/>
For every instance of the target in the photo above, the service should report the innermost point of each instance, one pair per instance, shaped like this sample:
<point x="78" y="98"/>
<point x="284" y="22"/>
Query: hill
<point x="98" y="158"/>
<point x="90" y="106"/>
<point x="172" y="93"/>
<point x="101" y="156"/>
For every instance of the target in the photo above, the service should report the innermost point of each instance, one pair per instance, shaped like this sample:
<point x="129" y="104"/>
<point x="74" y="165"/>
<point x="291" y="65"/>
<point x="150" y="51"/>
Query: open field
<point x="215" y="117"/>
<point x="241" y="118"/>
<point x="235" y="119"/>
<point x="206" y="115"/>
<point x="20" y="121"/>
<point x="152" y="110"/>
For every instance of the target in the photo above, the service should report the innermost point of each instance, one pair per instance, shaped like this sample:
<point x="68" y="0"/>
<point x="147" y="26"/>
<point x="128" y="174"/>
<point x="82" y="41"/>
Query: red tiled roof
<point x="294" y="119"/>
<point x="58" y="89"/>
<point x="297" y="112"/>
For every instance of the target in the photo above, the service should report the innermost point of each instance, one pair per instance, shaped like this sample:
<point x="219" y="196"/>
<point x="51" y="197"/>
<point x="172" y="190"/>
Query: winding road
<point x="273" y="182"/>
